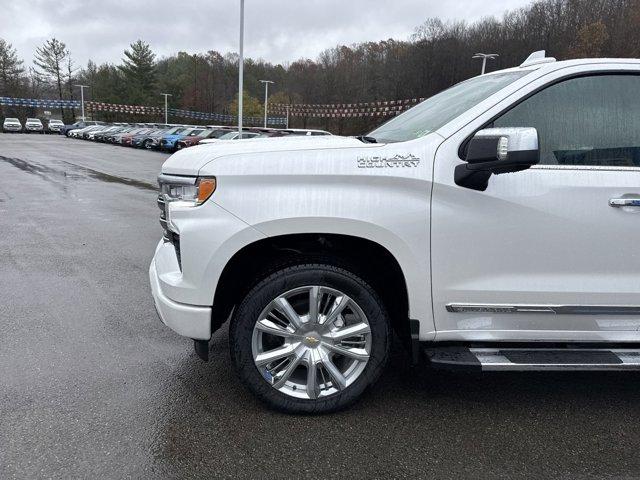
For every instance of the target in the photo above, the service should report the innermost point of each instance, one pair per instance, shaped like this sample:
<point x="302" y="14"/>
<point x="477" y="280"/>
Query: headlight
<point x="186" y="190"/>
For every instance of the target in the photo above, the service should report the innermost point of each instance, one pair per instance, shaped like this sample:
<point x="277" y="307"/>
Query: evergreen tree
<point x="11" y="69"/>
<point x="139" y="71"/>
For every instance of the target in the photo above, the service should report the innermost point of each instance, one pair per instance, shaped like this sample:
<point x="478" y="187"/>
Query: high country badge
<point x="397" y="161"/>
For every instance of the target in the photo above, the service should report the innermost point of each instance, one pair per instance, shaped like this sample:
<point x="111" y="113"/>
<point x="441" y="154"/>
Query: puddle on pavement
<point x="105" y="177"/>
<point x="75" y="172"/>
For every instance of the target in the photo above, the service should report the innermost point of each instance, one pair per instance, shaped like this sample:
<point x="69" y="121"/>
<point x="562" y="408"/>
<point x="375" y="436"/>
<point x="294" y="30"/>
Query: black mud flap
<point x="202" y="349"/>
<point x="415" y="341"/>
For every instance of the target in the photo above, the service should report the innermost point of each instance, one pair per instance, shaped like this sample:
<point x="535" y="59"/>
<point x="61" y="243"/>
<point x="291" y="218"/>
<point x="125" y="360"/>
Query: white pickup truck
<point x="494" y="226"/>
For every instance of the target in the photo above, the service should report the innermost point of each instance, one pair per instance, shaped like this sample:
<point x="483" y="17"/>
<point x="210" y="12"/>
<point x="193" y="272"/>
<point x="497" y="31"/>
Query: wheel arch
<point x="371" y="260"/>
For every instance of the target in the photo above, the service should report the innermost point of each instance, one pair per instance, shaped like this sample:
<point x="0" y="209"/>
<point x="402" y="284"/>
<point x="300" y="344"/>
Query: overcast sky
<point x="275" y="30"/>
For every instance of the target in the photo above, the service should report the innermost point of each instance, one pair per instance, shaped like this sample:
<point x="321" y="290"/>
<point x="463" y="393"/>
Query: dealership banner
<point x="38" y="103"/>
<point x="224" y="118"/>
<point x="93" y="107"/>
<point x="118" y="108"/>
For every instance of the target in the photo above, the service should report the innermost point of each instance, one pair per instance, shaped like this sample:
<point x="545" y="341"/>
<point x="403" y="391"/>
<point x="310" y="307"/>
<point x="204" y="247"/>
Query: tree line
<point x="437" y="55"/>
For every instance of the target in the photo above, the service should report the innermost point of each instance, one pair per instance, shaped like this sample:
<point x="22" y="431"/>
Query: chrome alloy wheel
<point x="311" y="342"/>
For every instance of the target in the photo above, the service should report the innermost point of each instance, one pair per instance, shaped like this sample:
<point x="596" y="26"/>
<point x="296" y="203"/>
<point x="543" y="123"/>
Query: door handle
<point x="624" y="202"/>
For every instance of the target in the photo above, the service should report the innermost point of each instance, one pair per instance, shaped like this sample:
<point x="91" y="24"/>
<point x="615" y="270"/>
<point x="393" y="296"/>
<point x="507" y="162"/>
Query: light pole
<point x="288" y="107"/>
<point x="166" y="110"/>
<point x="266" y="97"/>
<point x="82" y="87"/>
<point x="484" y="57"/>
<point x="241" y="70"/>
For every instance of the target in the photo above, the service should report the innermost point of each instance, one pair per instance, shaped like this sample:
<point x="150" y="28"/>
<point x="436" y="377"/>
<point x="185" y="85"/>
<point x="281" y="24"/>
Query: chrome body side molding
<point x="552" y="309"/>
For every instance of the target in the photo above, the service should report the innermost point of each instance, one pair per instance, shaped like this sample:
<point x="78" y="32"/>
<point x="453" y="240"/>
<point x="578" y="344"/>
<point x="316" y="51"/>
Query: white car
<point x="493" y="227"/>
<point x="79" y="132"/>
<point x="11" y="125"/>
<point x="54" y="126"/>
<point x="33" y="125"/>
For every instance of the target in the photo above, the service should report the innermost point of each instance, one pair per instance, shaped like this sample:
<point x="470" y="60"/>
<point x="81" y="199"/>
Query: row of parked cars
<point x="173" y="137"/>
<point x="31" y="125"/>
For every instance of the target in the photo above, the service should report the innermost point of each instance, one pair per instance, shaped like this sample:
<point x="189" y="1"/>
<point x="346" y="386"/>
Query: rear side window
<point x="592" y="120"/>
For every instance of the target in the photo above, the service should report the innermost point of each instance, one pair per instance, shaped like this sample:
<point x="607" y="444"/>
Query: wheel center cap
<point x="311" y="340"/>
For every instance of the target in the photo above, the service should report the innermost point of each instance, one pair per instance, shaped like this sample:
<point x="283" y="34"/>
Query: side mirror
<point x="496" y="151"/>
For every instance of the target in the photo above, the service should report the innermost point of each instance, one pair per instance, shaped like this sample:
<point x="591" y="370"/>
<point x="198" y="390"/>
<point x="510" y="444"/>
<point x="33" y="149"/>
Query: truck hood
<point x="191" y="160"/>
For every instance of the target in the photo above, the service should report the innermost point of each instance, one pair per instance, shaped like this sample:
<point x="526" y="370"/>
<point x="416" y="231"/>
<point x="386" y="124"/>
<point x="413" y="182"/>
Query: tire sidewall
<point x="243" y="322"/>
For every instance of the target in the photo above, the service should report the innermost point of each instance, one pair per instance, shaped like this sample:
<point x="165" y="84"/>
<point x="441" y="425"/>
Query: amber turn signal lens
<point x="206" y="187"/>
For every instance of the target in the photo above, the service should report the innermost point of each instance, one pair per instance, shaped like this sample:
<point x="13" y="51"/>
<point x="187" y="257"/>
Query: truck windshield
<point x="443" y="107"/>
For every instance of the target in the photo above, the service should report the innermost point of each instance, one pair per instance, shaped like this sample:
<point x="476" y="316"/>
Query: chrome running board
<point x="534" y="359"/>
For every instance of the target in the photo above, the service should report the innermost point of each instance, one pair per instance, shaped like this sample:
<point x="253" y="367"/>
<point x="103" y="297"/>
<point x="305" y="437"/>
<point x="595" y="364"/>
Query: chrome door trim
<point x="600" y="168"/>
<point x="541" y="308"/>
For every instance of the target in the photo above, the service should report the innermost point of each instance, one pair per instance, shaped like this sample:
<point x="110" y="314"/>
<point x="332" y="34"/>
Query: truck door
<point x="551" y="253"/>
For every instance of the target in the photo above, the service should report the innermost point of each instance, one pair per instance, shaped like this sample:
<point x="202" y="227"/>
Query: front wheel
<point x="310" y="338"/>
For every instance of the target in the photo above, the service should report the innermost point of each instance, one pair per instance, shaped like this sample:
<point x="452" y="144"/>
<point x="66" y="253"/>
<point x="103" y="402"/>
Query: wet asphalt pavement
<point x="92" y="385"/>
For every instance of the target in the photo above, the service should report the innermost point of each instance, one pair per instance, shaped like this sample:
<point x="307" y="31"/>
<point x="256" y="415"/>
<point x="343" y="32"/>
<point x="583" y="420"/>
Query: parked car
<point x="146" y="140"/>
<point x="95" y="134"/>
<point x="191" y="140"/>
<point x="79" y="132"/>
<point x="168" y="142"/>
<point x="117" y="137"/>
<point x="112" y="136"/>
<point x="54" y="126"/>
<point x="127" y="139"/>
<point x="78" y="125"/>
<point x="151" y="140"/>
<point x="33" y="125"/>
<point x="102" y="135"/>
<point x="493" y="226"/>
<point x="233" y="135"/>
<point x="89" y="133"/>
<point x="11" y="125"/>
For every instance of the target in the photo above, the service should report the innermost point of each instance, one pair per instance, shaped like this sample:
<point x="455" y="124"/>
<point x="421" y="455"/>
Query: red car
<point x="191" y="140"/>
<point x="127" y="140"/>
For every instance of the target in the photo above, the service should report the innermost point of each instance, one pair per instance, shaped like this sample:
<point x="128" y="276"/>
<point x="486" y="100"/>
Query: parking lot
<point x="93" y="385"/>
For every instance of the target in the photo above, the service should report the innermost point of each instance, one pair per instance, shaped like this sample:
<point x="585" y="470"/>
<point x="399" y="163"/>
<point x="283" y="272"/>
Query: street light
<point x="266" y="96"/>
<point x="241" y="69"/>
<point x="82" y="87"/>
<point x="484" y="57"/>
<point x="166" y="110"/>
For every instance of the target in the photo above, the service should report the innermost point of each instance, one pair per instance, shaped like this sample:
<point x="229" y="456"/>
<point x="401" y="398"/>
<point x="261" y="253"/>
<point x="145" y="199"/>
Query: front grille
<point x="162" y="205"/>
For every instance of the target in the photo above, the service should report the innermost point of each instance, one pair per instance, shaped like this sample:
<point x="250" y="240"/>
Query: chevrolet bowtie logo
<point x="311" y="341"/>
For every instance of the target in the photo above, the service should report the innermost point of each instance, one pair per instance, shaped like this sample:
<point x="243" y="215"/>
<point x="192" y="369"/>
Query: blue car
<point x="168" y="142"/>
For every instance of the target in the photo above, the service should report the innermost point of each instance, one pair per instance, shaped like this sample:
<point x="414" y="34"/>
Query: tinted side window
<point x="584" y="121"/>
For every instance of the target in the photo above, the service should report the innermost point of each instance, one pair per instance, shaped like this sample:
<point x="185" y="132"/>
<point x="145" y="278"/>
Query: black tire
<point x="146" y="144"/>
<point x="284" y="280"/>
